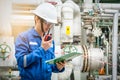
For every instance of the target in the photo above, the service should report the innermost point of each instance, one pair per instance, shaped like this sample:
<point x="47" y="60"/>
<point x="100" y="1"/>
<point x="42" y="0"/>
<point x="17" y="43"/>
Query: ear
<point x="36" y="17"/>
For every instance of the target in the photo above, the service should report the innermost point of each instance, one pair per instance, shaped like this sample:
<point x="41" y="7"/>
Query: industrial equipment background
<point x="89" y="27"/>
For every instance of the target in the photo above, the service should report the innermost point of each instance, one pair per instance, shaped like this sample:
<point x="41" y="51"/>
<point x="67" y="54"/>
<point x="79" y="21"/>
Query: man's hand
<point x="60" y="65"/>
<point x="46" y="44"/>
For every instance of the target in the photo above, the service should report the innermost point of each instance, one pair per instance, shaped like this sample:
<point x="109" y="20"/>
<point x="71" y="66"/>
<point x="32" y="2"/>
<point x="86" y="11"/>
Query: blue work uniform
<point x="31" y="57"/>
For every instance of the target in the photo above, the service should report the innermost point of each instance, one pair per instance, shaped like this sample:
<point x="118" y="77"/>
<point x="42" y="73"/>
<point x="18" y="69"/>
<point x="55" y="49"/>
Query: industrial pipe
<point x="114" y="42"/>
<point x="114" y="46"/>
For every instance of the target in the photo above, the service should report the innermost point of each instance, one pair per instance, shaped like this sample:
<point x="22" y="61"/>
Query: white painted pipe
<point x="56" y="34"/>
<point x="88" y="1"/>
<point x="114" y="46"/>
<point x="109" y="11"/>
<point x="91" y="59"/>
<point x="114" y="42"/>
<point x="27" y="1"/>
<point x="71" y="19"/>
<point x="106" y="5"/>
<point x="109" y="6"/>
<point x="88" y="6"/>
<point x="67" y="21"/>
<point x="5" y="17"/>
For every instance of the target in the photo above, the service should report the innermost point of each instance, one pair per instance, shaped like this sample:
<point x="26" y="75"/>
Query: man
<point x="32" y="50"/>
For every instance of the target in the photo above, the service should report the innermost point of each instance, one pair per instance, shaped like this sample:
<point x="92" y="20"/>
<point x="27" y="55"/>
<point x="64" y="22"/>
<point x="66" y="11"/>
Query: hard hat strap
<point x="42" y="27"/>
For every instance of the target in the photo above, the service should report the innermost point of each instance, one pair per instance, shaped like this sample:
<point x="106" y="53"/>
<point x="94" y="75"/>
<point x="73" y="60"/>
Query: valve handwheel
<point x="70" y="49"/>
<point x="4" y="50"/>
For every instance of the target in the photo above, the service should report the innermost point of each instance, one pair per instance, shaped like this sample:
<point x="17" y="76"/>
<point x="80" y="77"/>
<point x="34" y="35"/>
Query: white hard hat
<point x="47" y="12"/>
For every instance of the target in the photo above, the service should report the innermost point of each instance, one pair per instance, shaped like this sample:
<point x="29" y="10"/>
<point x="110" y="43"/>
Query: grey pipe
<point x="114" y="46"/>
<point x="114" y="41"/>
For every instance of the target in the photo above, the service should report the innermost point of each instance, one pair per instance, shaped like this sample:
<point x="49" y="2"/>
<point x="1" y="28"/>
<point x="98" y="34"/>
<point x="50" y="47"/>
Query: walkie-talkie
<point x="48" y="36"/>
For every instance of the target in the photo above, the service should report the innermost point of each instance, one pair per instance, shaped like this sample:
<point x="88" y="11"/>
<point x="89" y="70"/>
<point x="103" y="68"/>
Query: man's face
<point x="43" y="23"/>
<point x="47" y="25"/>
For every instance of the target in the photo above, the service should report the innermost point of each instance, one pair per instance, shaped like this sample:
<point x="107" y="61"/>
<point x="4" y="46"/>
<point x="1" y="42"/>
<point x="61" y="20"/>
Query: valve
<point x="4" y="50"/>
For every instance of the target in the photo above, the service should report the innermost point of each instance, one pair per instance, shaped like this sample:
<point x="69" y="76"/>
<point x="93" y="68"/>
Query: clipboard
<point x="66" y="57"/>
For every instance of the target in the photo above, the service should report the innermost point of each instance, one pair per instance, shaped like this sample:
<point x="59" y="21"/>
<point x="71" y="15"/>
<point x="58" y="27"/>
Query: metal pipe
<point x="114" y="41"/>
<point x="87" y="1"/>
<point x="107" y="52"/>
<point x="110" y="6"/>
<point x="119" y="14"/>
<point x="107" y="5"/>
<point x="110" y="11"/>
<point x="5" y="18"/>
<point x="114" y="46"/>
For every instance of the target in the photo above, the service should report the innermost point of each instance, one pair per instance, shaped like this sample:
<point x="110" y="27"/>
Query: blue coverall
<point x="31" y="57"/>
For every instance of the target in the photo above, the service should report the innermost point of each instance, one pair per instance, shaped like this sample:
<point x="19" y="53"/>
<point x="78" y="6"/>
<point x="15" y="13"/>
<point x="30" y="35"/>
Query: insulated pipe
<point x="57" y="27"/>
<point x="110" y="6"/>
<point x="57" y="34"/>
<point x="107" y="6"/>
<point x="67" y="22"/>
<point x="87" y="1"/>
<point x="114" y="47"/>
<point x="108" y="15"/>
<point x="110" y="11"/>
<point x="119" y="14"/>
<point x="70" y="20"/>
<point x="5" y="17"/>
<point x="114" y="42"/>
<point x="90" y="59"/>
<point x="87" y="5"/>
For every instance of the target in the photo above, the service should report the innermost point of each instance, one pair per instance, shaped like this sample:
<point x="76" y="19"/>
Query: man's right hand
<point x="46" y="44"/>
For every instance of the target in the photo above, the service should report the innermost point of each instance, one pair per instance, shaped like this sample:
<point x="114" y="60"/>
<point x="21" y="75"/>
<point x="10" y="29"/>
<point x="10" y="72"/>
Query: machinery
<point x="84" y="26"/>
<point x="96" y="36"/>
<point x="7" y="59"/>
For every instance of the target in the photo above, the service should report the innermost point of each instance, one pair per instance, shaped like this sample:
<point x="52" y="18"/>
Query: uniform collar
<point x="35" y="32"/>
